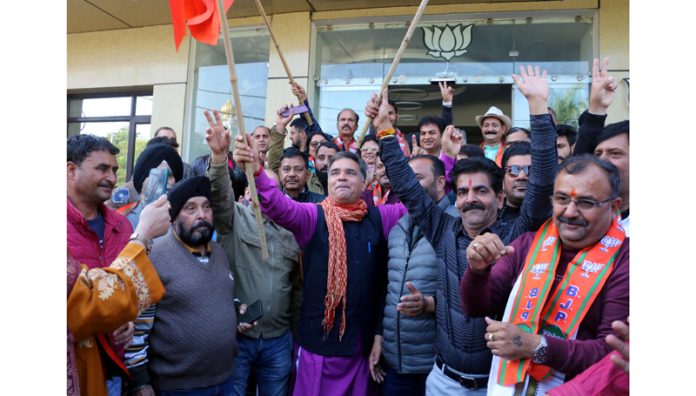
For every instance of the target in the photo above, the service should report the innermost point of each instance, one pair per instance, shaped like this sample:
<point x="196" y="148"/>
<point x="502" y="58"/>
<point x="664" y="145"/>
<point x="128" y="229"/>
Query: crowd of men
<point x="395" y="266"/>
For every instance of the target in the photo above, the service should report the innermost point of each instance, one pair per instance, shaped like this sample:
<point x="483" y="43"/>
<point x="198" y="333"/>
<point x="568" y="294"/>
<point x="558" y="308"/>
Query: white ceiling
<point x="97" y="15"/>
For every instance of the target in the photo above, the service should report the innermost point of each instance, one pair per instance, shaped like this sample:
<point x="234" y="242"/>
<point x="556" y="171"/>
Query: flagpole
<point x="282" y="58"/>
<point x="250" y="168"/>
<point x="395" y="63"/>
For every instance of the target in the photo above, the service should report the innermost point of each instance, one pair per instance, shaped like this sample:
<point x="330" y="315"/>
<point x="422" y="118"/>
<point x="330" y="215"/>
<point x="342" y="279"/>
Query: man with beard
<point x="158" y="155"/>
<point x="565" y="141"/>
<point x="462" y="360"/>
<point x="97" y="234"/>
<point x="191" y="343"/>
<point x="293" y="173"/>
<point x="560" y="288"/>
<point x="517" y="162"/>
<point x="325" y="153"/>
<point x="493" y="126"/>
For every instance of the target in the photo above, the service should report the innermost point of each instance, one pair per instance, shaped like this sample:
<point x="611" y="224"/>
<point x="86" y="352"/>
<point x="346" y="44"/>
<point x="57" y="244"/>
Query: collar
<point x="190" y="249"/>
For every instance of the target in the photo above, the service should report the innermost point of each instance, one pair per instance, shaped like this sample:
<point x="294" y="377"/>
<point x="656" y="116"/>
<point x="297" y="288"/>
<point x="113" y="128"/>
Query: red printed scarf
<point x="337" y="274"/>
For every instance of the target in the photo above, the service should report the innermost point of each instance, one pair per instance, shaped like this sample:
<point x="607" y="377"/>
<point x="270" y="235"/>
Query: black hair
<point x="516" y="148"/>
<point x="578" y="163"/>
<point x="164" y="127"/>
<point x="392" y="103"/>
<point x="431" y="120"/>
<point x="292" y="152"/>
<point x="479" y="165"/>
<point x="370" y="138"/>
<point x="437" y="165"/>
<point x="568" y="131"/>
<point x="300" y="124"/>
<point x="612" y="130"/>
<point x="328" y="144"/>
<point x="316" y="132"/>
<point x="357" y="117"/>
<point x="347" y="154"/>
<point x="516" y="129"/>
<point x="81" y="146"/>
<point x="471" y="151"/>
<point x="163" y="139"/>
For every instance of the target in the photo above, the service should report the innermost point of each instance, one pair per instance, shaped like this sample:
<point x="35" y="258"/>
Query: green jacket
<point x="271" y="280"/>
<point x="275" y="155"/>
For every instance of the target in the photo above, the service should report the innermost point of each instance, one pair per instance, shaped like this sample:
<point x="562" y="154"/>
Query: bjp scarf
<point x="337" y="277"/>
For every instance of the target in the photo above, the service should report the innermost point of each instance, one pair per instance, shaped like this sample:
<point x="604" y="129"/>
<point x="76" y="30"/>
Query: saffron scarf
<point x="379" y="198"/>
<point x="533" y="310"/>
<point x="337" y="274"/>
<point x="498" y="155"/>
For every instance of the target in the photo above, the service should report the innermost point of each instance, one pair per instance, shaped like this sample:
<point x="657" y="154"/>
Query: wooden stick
<point x="250" y="169"/>
<point x="282" y="58"/>
<point x="395" y="63"/>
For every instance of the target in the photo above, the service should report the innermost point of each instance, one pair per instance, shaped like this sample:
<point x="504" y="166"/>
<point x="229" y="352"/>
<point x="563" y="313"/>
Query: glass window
<point x="122" y="119"/>
<point x="479" y="53"/>
<point x="212" y="88"/>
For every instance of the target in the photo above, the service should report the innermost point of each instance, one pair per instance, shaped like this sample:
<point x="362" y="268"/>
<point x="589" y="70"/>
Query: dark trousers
<point x="396" y="384"/>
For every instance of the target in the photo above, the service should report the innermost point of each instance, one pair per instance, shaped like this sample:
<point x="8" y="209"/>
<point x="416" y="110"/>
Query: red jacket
<point x="83" y="243"/>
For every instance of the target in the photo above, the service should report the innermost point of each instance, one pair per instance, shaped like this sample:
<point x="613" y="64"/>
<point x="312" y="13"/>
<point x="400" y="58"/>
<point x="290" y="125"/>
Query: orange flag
<point x="201" y="17"/>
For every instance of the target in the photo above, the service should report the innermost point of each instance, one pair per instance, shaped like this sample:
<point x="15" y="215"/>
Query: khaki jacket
<point x="270" y="280"/>
<point x="275" y="155"/>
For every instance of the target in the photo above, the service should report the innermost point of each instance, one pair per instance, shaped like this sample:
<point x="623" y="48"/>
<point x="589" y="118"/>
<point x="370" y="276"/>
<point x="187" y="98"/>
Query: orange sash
<point x="498" y="155"/>
<point x="561" y="315"/>
<point x="125" y="209"/>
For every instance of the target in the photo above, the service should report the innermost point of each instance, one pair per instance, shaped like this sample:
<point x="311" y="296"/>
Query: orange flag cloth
<point x="201" y="17"/>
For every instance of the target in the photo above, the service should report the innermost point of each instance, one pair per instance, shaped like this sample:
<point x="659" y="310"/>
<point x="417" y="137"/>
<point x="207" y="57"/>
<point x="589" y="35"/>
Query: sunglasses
<point x="514" y="170"/>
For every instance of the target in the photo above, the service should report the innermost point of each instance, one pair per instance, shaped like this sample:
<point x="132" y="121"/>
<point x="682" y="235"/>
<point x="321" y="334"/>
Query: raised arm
<point x="298" y="218"/>
<point x="278" y="133"/>
<point x="222" y="192"/>
<point x="602" y="92"/>
<point x="297" y="90"/>
<point x="536" y="206"/>
<point x="447" y="96"/>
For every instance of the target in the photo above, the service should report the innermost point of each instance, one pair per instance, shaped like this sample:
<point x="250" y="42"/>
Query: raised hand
<point x="452" y="141"/>
<point x="485" y="250"/>
<point x="245" y="151"/>
<point x="381" y="121"/>
<point x="372" y="109"/>
<point x="603" y="88"/>
<point x="446" y="91"/>
<point x="416" y="149"/>
<point x="217" y="137"/>
<point x="298" y="91"/>
<point x="534" y="85"/>
<point x="282" y="121"/>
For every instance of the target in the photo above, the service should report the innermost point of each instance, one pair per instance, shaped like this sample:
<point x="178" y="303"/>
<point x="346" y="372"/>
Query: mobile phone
<point x="294" y="110"/>
<point x="156" y="185"/>
<point x="253" y="313"/>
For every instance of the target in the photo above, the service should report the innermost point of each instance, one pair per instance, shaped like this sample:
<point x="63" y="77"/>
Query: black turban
<point x="150" y="158"/>
<point x="194" y="186"/>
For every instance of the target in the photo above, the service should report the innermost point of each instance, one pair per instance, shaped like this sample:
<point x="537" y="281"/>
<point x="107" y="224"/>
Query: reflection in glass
<point x="100" y="107"/>
<point x="143" y="105"/>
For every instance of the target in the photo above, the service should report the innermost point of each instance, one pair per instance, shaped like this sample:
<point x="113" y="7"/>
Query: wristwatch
<point x="540" y="351"/>
<point x="148" y="243"/>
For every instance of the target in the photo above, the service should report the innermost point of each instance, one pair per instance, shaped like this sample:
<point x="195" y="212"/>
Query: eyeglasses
<point x="582" y="203"/>
<point x="514" y="170"/>
<point x="316" y="143"/>
<point x="369" y="150"/>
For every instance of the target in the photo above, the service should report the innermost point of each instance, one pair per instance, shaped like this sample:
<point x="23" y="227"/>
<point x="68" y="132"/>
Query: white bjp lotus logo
<point x="448" y="41"/>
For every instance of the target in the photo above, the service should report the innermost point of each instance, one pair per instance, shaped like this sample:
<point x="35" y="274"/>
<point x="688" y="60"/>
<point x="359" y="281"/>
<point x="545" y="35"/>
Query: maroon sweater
<point x="487" y="294"/>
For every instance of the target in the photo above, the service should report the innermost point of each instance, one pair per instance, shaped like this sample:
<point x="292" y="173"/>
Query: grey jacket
<point x="271" y="280"/>
<point x="408" y="341"/>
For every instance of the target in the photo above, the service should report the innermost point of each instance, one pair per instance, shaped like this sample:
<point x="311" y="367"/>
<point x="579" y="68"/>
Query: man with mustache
<point x="565" y="142"/>
<point x="493" y="126"/>
<point x="191" y="343"/>
<point x="293" y="173"/>
<point x="97" y="234"/>
<point x="517" y="163"/>
<point x="347" y="124"/>
<point x="560" y="288"/>
<point x="325" y="153"/>
<point x="462" y="360"/>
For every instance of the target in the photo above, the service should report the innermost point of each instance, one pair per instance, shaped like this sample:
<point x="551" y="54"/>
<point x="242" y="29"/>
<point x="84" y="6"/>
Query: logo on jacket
<point x="120" y="196"/>
<point x="447" y="41"/>
<point x="538" y="269"/>
<point x="590" y="267"/>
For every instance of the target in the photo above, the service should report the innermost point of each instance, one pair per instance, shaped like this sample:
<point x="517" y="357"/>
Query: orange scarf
<point x="498" y="155"/>
<point x="337" y="274"/>
<point x="559" y="314"/>
<point x="379" y="198"/>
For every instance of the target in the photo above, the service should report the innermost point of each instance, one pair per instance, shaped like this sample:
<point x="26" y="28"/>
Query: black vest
<point x="366" y="251"/>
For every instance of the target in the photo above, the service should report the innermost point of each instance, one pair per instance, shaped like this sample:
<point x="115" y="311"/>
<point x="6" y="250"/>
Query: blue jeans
<point x="396" y="384"/>
<point x="224" y="389"/>
<point x="271" y="360"/>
